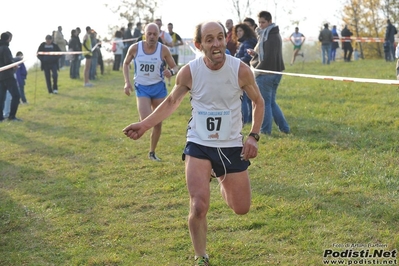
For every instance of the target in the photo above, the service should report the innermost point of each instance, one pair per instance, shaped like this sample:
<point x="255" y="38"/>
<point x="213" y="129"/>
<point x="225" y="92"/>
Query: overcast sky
<point x="30" y="29"/>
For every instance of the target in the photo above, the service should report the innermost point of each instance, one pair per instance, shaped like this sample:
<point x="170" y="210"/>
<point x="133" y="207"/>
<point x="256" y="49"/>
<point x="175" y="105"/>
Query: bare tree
<point x="242" y="8"/>
<point x="374" y="25"/>
<point x="368" y="19"/>
<point x="136" y="10"/>
<point x="390" y="9"/>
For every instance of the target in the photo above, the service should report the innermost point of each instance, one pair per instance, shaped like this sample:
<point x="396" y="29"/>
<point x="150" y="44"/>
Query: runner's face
<point x="152" y="34"/>
<point x="213" y="43"/>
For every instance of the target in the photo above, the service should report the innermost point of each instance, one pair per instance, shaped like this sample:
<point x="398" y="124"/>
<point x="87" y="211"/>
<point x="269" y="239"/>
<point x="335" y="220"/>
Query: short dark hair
<point x="170" y="24"/>
<point x="118" y="34"/>
<point x="5" y="36"/>
<point x="19" y="53"/>
<point x="250" y="20"/>
<point x="266" y="15"/>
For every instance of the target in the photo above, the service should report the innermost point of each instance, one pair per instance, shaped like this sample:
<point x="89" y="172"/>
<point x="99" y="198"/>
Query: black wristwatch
<point x="254" y="135"/>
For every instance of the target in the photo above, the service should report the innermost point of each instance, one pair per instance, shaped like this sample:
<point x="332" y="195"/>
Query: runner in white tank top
<point x="149" y="58"/>
<point x="217" y="98"/>
<point x="148" y="67"/>
<point x="216" y="81"/>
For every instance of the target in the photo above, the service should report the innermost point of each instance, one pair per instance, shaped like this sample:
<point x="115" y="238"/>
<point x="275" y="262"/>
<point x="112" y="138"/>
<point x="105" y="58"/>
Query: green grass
<point x="75" y="191"/>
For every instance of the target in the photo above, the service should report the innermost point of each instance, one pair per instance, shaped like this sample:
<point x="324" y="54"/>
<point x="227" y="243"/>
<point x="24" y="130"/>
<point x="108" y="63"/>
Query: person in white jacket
<point x="117" y="49"/>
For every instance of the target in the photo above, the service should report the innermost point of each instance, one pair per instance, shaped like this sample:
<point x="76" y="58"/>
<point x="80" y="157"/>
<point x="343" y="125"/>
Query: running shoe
<point x="202" y="261"/>
<point x="153" y="157"/>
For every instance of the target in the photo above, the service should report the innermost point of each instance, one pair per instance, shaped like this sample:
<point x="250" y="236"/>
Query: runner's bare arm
<point x="165" y="109"/>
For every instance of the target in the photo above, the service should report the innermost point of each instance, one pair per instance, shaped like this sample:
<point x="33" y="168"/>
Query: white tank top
<point x="215" y="97"/>
<point x="148" y="68"/>
<point x="297" y="38"/>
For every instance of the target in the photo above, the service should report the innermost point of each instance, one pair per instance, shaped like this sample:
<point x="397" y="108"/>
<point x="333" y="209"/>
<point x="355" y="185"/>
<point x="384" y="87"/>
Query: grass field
<point x="75" y="191"/>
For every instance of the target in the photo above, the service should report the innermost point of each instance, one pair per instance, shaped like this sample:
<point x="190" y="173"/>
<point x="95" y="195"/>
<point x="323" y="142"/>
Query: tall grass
<point x="75" y="191"/>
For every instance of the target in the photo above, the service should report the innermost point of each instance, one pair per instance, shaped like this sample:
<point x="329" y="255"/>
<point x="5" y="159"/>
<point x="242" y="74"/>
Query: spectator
<point x="176" y="42"/>
<point x="95" y="53"/>
<point x="127" y="39"/>
<point x="100" y="57"/>
<point x="231" y="43"/>
<point x="21" y="75"/>
<point x="246" y="38"/>
<point x="87" y="53"/>
<point x="137" y="31"/>
<point x="74" y="46"/>
<point x="397" y="61"/>
<point x="118" y="51"/>
<point x="356" y="54"/>
<point x="390" y="37"/>
<point x="78" y="62"/>
<point x="251" y="22"/>
<point x="335" y="43"/>
<point x="49" y="63"/>
<point x="61" y="42"/>
<point x="8" y="82"/>
<point x="268" y="55"/>
<point x="326" y="39"/>
<point x="347" y="43"/>
<point x="387" y="51"/>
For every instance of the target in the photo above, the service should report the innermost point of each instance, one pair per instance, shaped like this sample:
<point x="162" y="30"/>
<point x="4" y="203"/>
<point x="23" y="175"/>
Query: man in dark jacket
<point x="268" y="56"/>
<point x="128" y="36"/>
<point x="49" y="63"/>
<point x="347" y="43"/>
<point x="390" y="38"/>
<point x="7" y="78"/>
<point x="74" y="45"/>
<point x="326" y="39"/>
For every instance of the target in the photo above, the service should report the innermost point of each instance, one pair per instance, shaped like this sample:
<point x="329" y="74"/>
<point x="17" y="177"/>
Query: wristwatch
<point x="254" y="135"/>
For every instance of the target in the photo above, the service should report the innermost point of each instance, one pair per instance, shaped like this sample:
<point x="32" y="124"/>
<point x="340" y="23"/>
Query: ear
<point x="197" y="45"/>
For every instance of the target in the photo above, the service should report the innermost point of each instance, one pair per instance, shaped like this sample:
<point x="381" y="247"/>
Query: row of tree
<point x="365" y="18"/>
<point x="368" y="18"/>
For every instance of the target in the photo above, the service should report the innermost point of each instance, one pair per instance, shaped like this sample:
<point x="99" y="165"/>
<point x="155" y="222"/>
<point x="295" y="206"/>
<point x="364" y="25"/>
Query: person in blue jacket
<point x="21" y="75"/>
<point x="246" y="38"/>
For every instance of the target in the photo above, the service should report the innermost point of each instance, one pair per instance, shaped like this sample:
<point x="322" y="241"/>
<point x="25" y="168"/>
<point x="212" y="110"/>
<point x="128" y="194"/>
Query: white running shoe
<point x="153" y="157"/>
